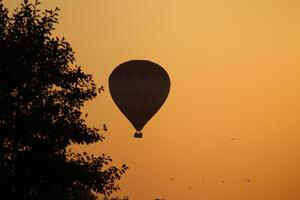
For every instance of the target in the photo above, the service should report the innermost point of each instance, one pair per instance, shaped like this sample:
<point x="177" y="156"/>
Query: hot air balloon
<point x="139" y="88"/>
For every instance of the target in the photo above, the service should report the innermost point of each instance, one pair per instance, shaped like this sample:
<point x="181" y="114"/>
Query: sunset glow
<point x="230" y="128"/>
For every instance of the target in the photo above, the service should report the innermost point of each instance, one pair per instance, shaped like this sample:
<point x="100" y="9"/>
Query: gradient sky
<point x="235" y="73"/>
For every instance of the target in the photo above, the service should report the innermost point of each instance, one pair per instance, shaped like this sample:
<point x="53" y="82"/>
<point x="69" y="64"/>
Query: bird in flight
<point x="247" y="180"/>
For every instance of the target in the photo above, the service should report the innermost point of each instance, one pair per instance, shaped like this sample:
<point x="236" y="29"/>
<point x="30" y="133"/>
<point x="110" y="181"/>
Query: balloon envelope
<point x="139" y="88"/>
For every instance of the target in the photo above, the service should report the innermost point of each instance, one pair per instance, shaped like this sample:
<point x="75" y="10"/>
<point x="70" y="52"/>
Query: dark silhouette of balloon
<point x="139" y="88"/>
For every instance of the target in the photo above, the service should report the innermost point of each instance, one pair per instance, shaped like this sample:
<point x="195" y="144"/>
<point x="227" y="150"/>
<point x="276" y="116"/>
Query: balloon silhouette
<point x="139" y="88"/>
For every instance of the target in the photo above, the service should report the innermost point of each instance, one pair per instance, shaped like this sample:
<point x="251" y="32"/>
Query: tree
<point x="83" y="195"/>
<point x="120" y="198"/>
<point x="42" y="92"/>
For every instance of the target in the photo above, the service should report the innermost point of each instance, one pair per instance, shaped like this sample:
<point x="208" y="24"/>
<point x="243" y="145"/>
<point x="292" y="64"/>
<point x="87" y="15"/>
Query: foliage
<point x="42" y="92"/>
<point x="116" y="198"/>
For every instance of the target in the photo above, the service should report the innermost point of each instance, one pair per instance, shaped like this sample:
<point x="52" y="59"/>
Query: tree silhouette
<point x="117" y="198"/>
<point x="84" y="195"/>
<point x="42" y="92"/>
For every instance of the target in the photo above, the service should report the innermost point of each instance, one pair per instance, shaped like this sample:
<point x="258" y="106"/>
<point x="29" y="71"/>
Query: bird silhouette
<point x="86" y="115"/>
<point x="247" y="180"/>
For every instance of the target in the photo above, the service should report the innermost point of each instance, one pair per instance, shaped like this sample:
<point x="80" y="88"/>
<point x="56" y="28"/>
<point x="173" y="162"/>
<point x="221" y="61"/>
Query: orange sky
<point x="235" y="73"/>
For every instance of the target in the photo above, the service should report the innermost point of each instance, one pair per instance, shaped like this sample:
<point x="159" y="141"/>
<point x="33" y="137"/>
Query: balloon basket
<point x="138" y="134"/>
